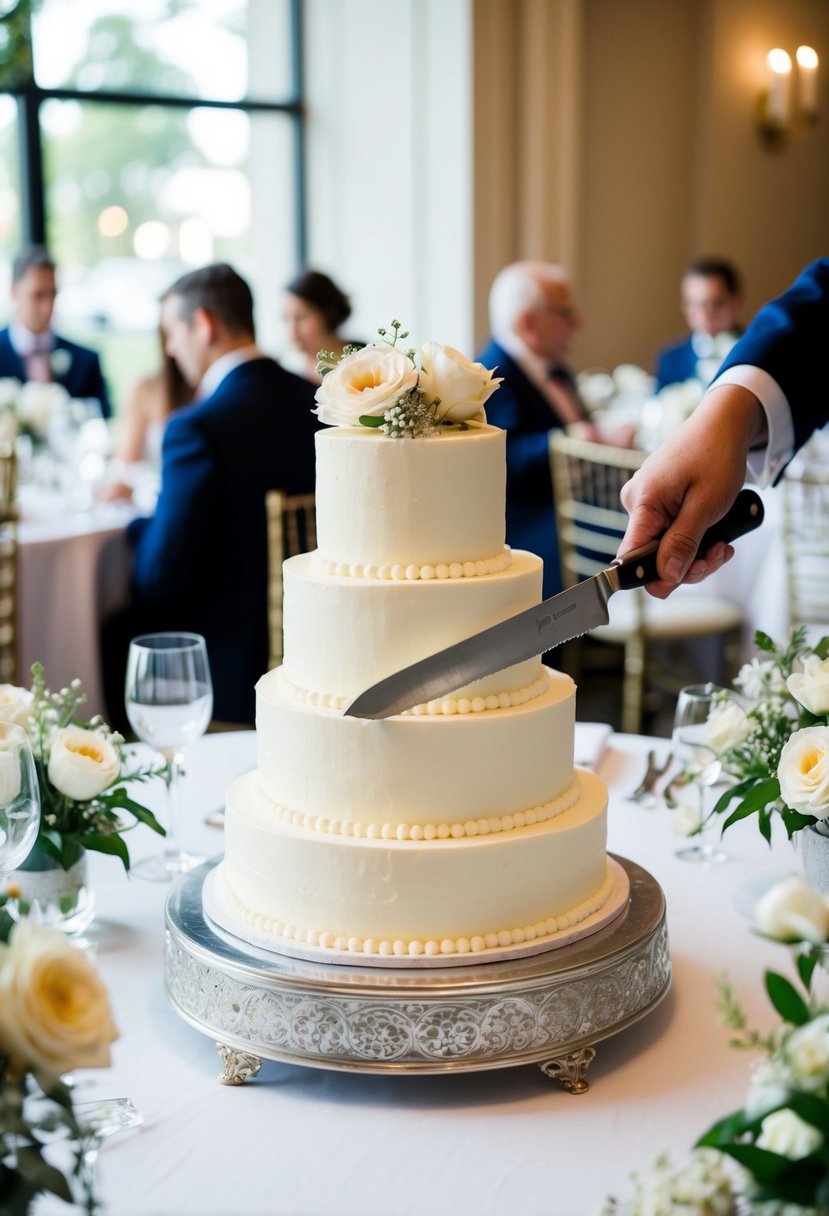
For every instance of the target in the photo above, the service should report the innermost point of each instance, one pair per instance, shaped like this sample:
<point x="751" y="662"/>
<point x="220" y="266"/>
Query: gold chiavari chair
<point x="292" y="529"/>
<point x="8" y="564"/>
<point x="587" y="480"/>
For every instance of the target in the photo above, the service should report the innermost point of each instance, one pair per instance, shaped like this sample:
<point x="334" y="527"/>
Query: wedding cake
<point x="457" y="831"/>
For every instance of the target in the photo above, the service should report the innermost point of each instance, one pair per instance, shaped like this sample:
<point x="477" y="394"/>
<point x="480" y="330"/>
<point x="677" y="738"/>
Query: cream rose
<point x="82" y="763"/>
<point x="811" y="685"/>
<point x="803" y="771"/>
<point x="785" y="1133"/>
<point x="461" y="386"/>
<point x="54" y="1010"/>
<point x="369" y="381"/>
<point x="806" y="1053"/>
<point x="686" y="819"/>
<point x="727" y="725"/>
<point x="16" y="704"/>
<point x="10" y="778"/>
<point x="792" y="909"/>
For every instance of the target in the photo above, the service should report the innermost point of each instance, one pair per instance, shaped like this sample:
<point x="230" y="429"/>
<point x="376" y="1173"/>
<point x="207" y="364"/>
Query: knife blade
<point x="561" y="618"/>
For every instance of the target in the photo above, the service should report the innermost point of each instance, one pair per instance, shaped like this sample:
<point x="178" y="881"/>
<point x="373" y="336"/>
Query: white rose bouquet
<point x="82" y="773"/>
<point x="54" y="1017"/>
<point x="28" y="409"/>
<point x="402" y="393"/>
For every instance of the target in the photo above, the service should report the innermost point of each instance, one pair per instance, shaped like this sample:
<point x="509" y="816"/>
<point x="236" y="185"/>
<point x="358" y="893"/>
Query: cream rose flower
<point x="803" y="771"/>
<point x="792" y="909"/>
<point x="461" y="386"/>
<point x="727" y="725"/>
<point x="54" y="1010"/>
<point x="10" y="776"/>
<point x="369" y="381"/>
<point x="82" y="763"/>
<point x="806" y="1053"/>
<point x="686" y="819"/>
<point x="16" y="704"/>
<point x="785" y="1133"/>
<point x="811" y="685"/>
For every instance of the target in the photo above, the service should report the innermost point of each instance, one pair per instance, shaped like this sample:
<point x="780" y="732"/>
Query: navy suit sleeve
<point x="100" y="389"/>
<point x="528" y="452"/>
<point x="787" y="339"/>
<point x="168" y="544"/>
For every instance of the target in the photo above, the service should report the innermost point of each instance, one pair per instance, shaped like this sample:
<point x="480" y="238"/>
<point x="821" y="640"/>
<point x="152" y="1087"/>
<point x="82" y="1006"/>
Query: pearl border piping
<point x="417" y="571"/>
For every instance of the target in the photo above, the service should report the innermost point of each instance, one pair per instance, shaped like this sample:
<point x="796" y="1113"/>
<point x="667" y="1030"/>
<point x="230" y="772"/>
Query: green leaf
<point x="762" y="641"/>
<point x="371" y="420"/>
<point x="736" y="791"/>
<point x="794" y="821"/>
<point x="725" y="1130"/>
<point x="786" y="999"/>
<point x="763" y="793"/>
<point x="120" y="799"/>
<point x="822" y="648"/>
<point x="806" y="963"/>
<point x="112" y="844"/>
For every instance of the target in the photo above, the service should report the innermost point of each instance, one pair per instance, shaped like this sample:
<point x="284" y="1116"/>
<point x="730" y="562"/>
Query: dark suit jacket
<point x="78" y="369"/>
<point x="200" y="562"/>
<point x="675" y="363"/>
<point x="524" y="413"/>
<point x="788" y="340"/>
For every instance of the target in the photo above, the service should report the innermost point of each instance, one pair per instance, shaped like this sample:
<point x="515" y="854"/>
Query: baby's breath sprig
<point x="408" y="416"/>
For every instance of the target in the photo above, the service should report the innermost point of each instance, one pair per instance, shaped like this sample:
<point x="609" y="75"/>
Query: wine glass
<point x="19" y="797"/>
<point x="169" y="700"/>
<point x="692" y="748"/>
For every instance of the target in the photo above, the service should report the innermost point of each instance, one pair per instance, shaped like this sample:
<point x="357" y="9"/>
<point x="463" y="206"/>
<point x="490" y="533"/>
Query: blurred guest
<point x="313" y="309"/>
<point x="711" y="301"/>
<point x="29" y="347"/>
<point x="533" y="318"/>
<point x="200" y="561"/>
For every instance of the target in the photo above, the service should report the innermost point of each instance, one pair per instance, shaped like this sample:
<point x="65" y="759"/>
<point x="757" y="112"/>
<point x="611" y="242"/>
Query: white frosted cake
<point x="459" y="830"/>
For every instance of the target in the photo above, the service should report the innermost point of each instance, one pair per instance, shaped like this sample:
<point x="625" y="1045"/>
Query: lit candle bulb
<point x="779" y="65"/>
<point x="807" y="62"/>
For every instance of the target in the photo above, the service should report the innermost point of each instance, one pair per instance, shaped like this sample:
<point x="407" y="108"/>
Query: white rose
<point x="16" y="704"/>
<point x="769" y="1086"/>
<point x="811" y="685"/>
<point x="759" y="677"/>
<point x="686" y="819"/>
<point x="54" y="1011"/>
<point x="82" y="763"/>
<point x="461" y="386"/>
<point x="9" y="392"/>
<point x="39" y="403"/>
<point x="727" y="725"/>
<point x="793" y="910"/>
<point x="803" y="771"/>
<point x="369" y="381"/>
<point x="785" y="1133"/>
<point x="806" y="1052"/>
<point x="631" y="379"/>
<point x="10" y="778"/>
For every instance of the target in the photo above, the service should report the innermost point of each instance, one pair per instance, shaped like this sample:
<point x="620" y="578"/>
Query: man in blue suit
<point x="711" y="302"/>
<point x="768" y="399"/>
<point x="31" y="350"/>
<point x="200" y="561"/>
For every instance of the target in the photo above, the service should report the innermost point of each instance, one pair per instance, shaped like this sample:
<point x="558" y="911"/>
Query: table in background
<point x="300" y="1141"/>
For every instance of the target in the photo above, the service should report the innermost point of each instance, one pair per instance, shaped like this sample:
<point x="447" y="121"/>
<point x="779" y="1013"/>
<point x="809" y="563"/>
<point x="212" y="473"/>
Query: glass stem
<point x="175" y="760"/>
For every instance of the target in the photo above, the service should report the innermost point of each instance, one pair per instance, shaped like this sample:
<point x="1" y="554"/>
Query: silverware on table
<point x="645" y="792"/>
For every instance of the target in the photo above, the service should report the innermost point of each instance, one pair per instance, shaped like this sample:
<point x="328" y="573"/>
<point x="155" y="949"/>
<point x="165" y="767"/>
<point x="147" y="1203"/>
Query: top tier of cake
<point x="431" y="502"/>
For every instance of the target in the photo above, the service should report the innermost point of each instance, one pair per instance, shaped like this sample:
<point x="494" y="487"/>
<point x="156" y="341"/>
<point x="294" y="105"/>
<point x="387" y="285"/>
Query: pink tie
<point x="38" y="366"/>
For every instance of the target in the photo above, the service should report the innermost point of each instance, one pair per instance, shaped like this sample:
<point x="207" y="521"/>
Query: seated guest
<point x="313" y="309"/>
<point x="711" y="302"/>
<point x="200" y="562"/>
<point x="31" y="350"/>
<point x="533" y="318"/>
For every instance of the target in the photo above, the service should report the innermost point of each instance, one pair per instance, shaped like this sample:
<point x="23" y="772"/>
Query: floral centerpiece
<point x="771" y="1156"/>
<point x="54" y="1017"/>
<point x="403" y="393"/>
<point x="82" y="774"/>
<point x="30" y="409"/>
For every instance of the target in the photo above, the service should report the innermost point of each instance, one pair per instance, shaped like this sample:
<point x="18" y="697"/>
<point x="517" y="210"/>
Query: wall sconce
<point x="788" y="105"/>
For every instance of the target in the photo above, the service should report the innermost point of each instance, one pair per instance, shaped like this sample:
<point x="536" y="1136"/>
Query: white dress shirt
<point x="764" y="463"/>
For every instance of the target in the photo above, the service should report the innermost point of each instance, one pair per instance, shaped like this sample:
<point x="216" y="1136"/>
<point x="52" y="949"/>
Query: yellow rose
<point x="54" y="1010"/>
<point x="82" y="763"/>
<point x="803" y="771"/>
<point x="461" y="386"/>
<point x="369" y="381"/>
<point x="16" y="704"/>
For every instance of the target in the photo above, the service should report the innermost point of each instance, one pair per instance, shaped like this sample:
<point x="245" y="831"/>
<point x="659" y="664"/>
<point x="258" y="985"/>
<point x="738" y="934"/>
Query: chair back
<point x="292" y="529"/>
<point x="8" y="564"/>
<point x="806" y="543"/>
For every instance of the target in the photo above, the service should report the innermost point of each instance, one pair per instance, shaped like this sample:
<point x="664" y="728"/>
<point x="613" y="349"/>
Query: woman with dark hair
<point x="313" y="310"/>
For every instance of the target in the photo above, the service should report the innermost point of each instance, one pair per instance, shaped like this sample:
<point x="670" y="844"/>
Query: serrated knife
<point x="567" y="615"/>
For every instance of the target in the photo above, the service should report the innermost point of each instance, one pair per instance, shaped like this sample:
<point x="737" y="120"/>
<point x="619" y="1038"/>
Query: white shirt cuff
<point x="764" y="464"/>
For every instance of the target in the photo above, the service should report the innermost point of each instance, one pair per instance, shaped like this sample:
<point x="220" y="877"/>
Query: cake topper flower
<point x="402" y="393"/>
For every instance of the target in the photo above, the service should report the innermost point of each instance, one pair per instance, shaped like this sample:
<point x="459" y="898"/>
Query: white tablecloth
<point x="308" y="1142"/>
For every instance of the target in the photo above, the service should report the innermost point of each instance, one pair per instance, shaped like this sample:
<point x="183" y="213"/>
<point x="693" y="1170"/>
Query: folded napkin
<point x="591" y="740"/>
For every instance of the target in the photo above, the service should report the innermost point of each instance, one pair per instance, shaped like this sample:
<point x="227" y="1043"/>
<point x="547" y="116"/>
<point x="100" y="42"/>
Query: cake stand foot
<point x="570" y="1070"/>
<point x="238" y="1065"/>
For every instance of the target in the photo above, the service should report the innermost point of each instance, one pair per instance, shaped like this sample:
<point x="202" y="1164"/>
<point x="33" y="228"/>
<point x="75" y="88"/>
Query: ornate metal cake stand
<point x="548" y="1009"/>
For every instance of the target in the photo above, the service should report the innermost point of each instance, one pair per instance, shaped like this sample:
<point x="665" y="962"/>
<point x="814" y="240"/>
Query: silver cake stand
<point x="547" y="1009"/>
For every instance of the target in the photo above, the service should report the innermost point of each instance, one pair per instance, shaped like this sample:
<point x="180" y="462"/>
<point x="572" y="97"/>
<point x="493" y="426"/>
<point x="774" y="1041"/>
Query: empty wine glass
<point x="169" y="700"/>
<point x="19" y="797"/>
<point x="693" y="749"/>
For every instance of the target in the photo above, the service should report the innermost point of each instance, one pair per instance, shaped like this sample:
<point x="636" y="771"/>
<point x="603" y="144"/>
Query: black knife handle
<point x="638" y="568"/>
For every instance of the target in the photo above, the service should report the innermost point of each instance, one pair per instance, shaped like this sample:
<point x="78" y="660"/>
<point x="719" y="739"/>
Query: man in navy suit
<point x="711" y="301"/>
<point x="533" y="319"/>
<point x="768" y="399"/>
<point x="200" y="561"/>
<point x="31" y="350"/>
